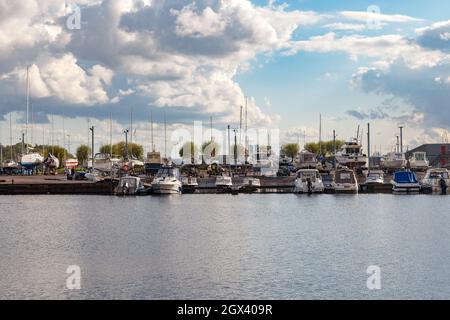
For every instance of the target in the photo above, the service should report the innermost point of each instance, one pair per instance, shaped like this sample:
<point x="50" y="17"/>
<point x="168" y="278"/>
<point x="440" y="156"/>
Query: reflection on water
<point x="220" y="246"/>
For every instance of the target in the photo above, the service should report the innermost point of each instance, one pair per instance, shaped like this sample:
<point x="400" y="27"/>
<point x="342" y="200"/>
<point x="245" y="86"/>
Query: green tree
<point x="83" y="152"/>
<point x="190" y="149"/>
<point x="119" y="150"/>
<point x="327" y="147"/>
<point x="290" y="150"/>
<point x="210" y="148"/>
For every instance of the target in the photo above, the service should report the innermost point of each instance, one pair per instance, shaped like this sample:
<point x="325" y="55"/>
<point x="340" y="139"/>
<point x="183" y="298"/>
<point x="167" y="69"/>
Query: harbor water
<point x="276" y="246"/>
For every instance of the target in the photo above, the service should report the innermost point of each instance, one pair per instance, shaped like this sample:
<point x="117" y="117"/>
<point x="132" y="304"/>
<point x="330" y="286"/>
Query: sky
<point x="353" y="62"/>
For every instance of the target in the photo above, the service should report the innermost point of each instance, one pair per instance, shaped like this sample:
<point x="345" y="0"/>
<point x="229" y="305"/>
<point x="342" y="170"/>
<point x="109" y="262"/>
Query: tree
<point x="83" y="153"/>
<point x="290" y="149"/>
<point x="118" y="150"/>
<point x="327" y="147"/>
<point x="190" y="149"/>
<point x="210" y="148"/>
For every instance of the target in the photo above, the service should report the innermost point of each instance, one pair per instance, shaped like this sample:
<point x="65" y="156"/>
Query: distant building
<point x="437" y="153"/>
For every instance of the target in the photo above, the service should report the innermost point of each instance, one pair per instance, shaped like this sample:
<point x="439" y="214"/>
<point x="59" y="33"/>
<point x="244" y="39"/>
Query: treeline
<point x="325" y="148"/>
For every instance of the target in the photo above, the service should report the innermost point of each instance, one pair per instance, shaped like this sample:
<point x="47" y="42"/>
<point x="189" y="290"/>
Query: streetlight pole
<point x="401" y="138"/>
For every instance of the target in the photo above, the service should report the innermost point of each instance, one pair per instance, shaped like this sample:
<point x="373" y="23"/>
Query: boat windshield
<point x="167" y="172"/>
<point x="304" y="175"/>
<point x="419" y="156"/>
<point x="439" y="175"/>
<point x="345" y="177"/>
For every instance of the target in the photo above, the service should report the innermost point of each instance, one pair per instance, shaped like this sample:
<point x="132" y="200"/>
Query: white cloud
<point x="345" y="26"/>
<point x="380" y="17"/>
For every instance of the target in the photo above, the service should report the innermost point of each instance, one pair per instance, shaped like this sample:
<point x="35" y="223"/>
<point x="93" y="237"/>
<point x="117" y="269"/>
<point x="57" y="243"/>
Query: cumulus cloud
<point x="179" y="54"/>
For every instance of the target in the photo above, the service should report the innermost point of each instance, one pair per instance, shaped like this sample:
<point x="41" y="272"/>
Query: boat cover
<point x="405" y="177"/>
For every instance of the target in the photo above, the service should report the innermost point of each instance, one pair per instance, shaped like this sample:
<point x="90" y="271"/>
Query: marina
<point x="59" y="185"/>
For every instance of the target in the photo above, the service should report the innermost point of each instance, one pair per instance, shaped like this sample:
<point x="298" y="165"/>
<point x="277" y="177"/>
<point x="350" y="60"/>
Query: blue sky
<point x="193" y="60"/>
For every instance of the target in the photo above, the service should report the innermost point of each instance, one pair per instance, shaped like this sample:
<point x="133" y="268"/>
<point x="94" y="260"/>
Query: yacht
<point x="103" y="162"/>
<point x="351" y="155"/>
<point x="129" y="186"/>
<point x="432" y="182"/>
<point x="250" y="185"/>
<point x="309" y="181"/>
<point x="405" y="182"/>
<point x="167" y="181"/>
<point x="393" y="160"/>
<point x="344" y="180"/>
<point x="31" y="160"/>
<point x="327" y="179"/>
<point x="224" y="183"/>
<point x="419" y="161"/>
<point x="375" y="177"/>
<point x="9" y="164"/>
<point x="306" y="160"/>
<point x="190" y="184"/>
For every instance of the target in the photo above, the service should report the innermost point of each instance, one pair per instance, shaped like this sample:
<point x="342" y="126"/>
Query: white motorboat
<point x="306" y="160"/>
<point x="103" y="162"/>
<point x="351" y="155"/>
<point x="31" y="160"/>
<point x="344" y="181"/>
<point x="375" y="177"/>
<point x="129" y="185"/>
<point x="167" y="181"/>
<point x="9" y="164"/>
<point x="405" y="182"/>
<point x="393" y="160"/>
<point x="309" y="181"/>
<point x="419" y="161"/>
<point x="190" y="184"/>
<point x="436" y="180"/>
<point x="224" y="183"/>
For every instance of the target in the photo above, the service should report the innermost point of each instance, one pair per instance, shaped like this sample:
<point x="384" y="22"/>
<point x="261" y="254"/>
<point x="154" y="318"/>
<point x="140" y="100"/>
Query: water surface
<point x="277" y="246"/>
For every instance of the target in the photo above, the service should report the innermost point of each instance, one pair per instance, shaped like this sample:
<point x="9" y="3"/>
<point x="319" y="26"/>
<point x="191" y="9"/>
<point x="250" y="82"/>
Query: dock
<point x="59" y="185"/>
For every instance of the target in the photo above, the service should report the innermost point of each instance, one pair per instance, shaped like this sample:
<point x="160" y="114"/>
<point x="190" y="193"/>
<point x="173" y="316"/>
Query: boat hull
<point x="406" y="187"/>
<point x="166" y="189"/>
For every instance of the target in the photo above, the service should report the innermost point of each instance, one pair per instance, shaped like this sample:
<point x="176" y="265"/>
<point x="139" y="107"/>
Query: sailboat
<point x="30" y="160"/>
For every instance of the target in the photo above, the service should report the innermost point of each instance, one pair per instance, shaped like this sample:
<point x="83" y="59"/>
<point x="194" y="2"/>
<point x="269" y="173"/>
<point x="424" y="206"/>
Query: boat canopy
<point x="405" y="177"/>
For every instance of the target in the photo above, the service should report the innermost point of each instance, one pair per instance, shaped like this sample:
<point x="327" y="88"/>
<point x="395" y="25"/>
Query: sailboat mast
<point x="10" y="137"/>
<point x="246" y="129"/>
<point x="110" y="134"/>
<point x="131" y="131"/>
<point x="151" y="125"/>
<point x="28" y="102"/>
<point x="320" y="134"/>
<point x="165" y="136"/>
<point x="240" y="126"/>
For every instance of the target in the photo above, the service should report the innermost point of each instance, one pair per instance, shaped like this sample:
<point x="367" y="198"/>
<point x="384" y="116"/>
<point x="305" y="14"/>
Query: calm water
<point x="220" y="246"/>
